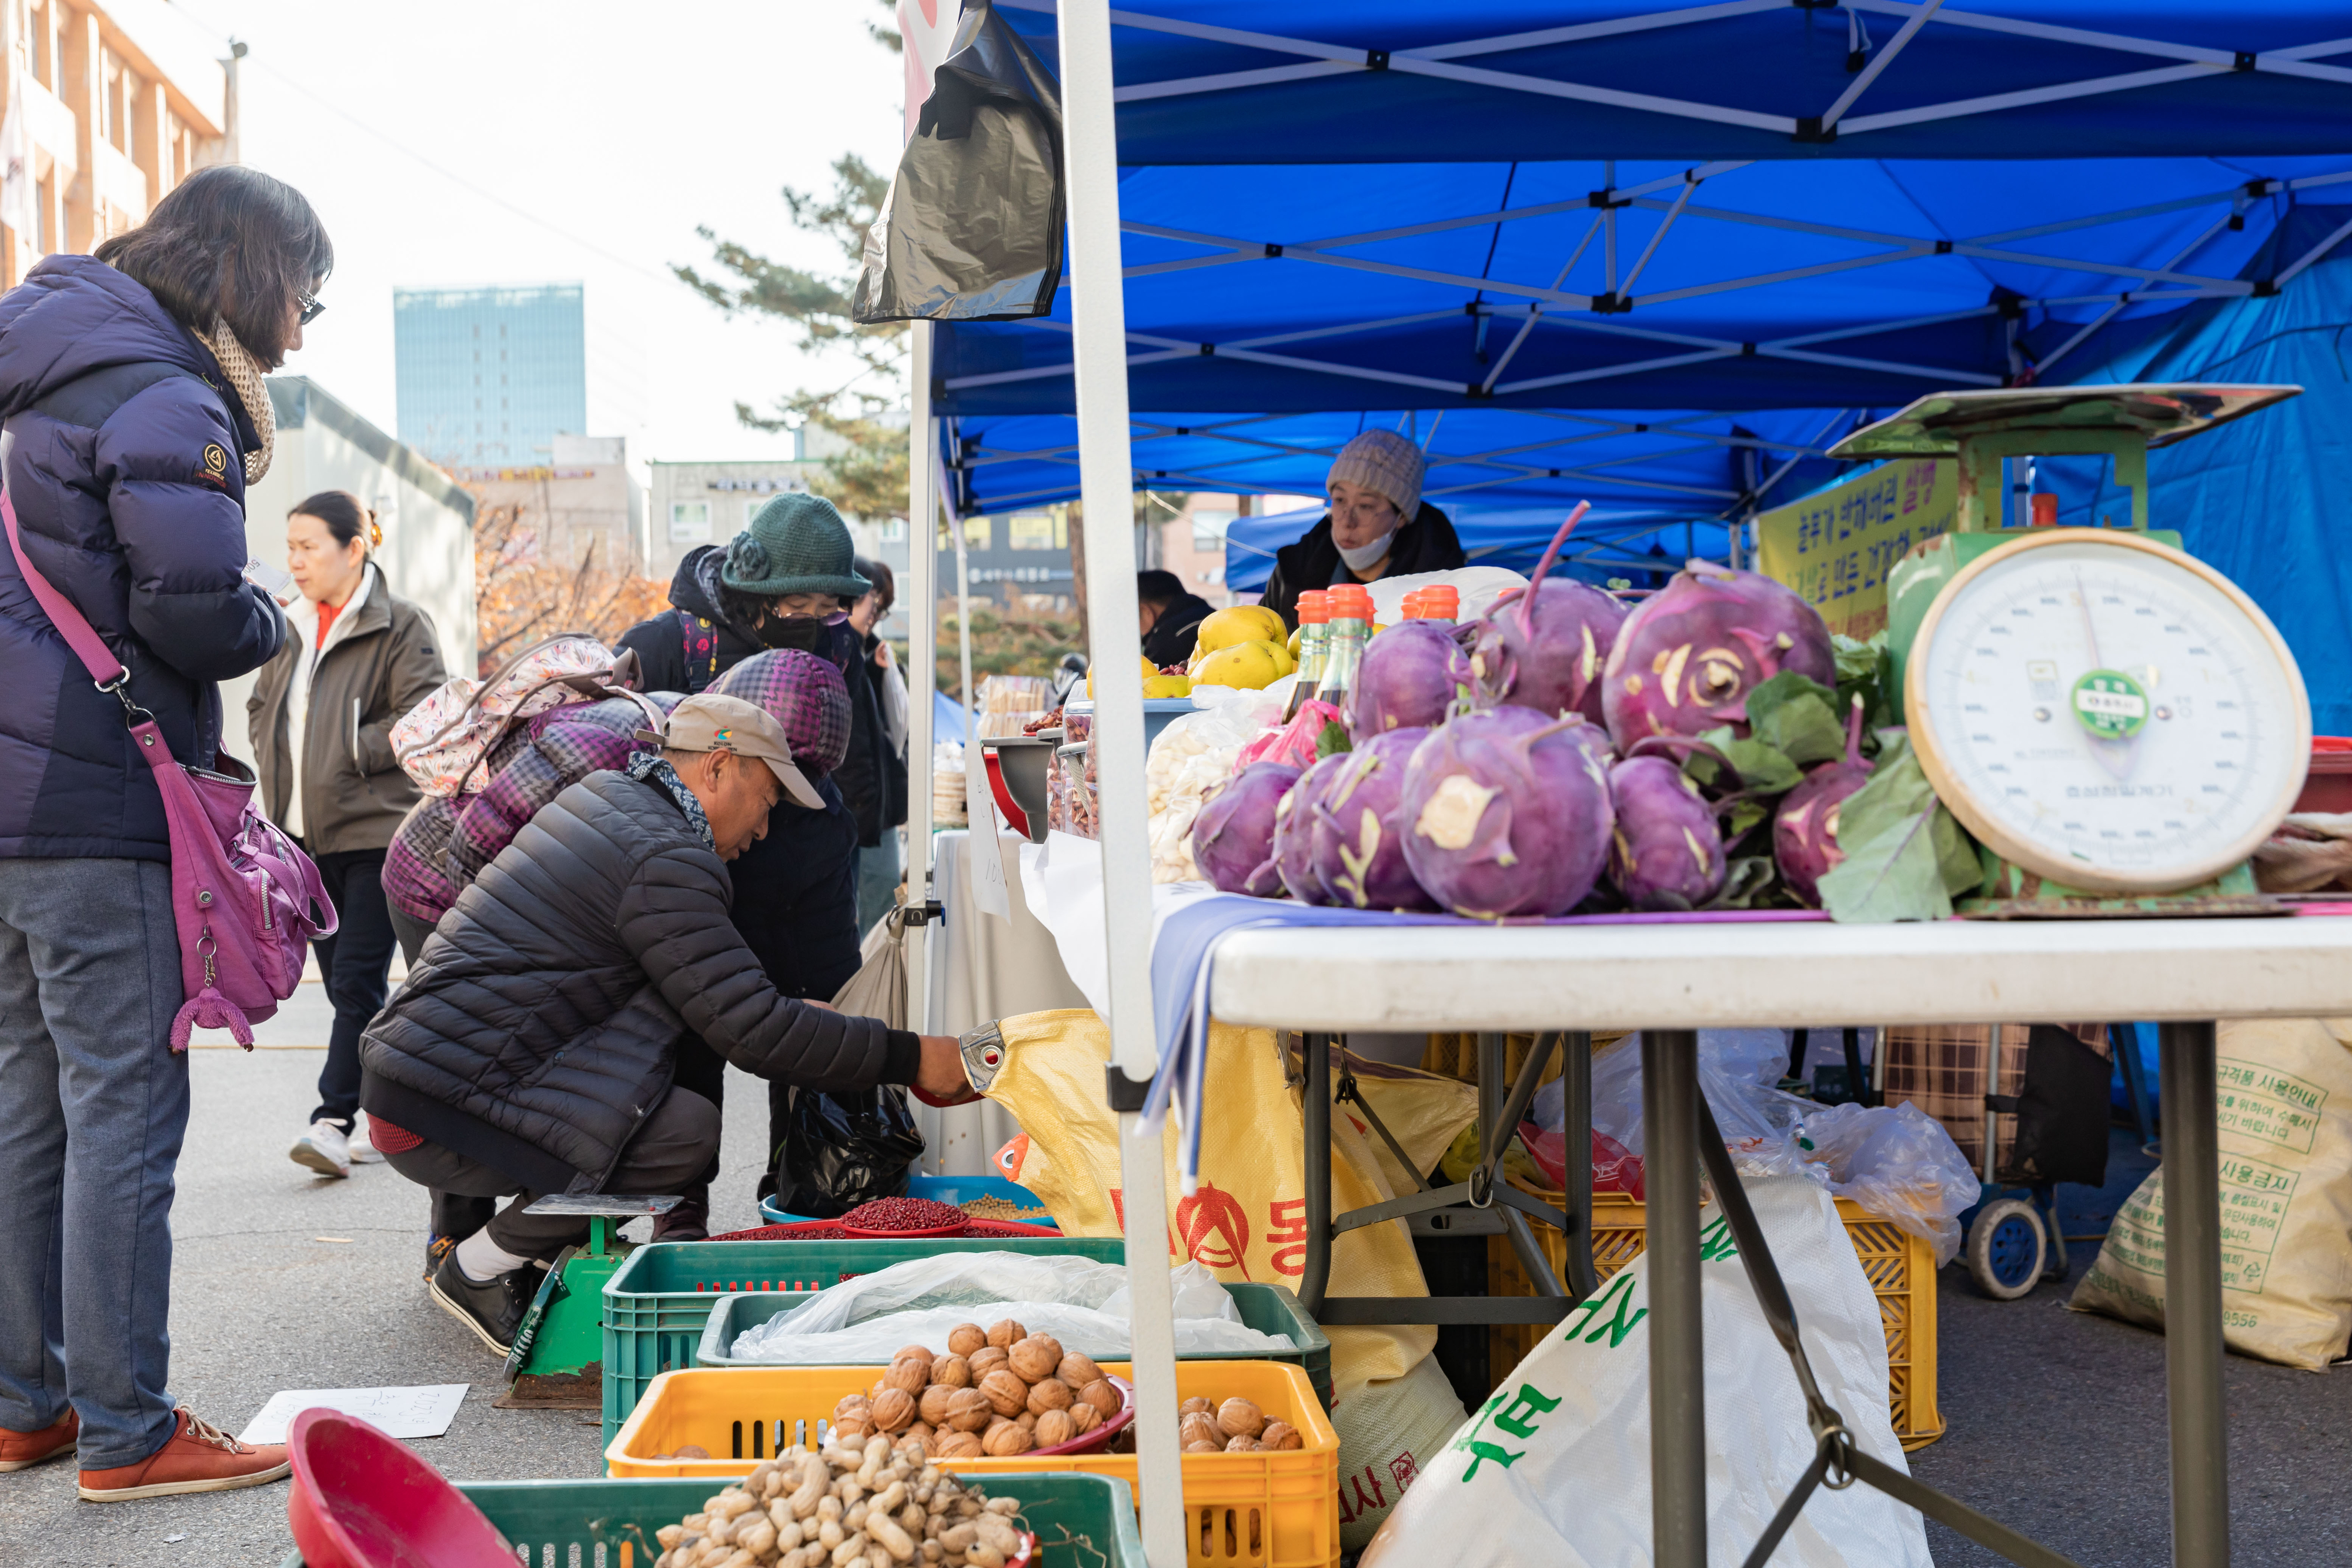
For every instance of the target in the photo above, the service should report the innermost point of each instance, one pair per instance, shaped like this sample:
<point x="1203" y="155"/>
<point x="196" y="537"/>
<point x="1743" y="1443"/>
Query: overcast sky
<point x="618" y="127"/>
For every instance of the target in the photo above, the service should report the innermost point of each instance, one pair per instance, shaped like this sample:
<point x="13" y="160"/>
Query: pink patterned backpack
<point x="444" y="743"/>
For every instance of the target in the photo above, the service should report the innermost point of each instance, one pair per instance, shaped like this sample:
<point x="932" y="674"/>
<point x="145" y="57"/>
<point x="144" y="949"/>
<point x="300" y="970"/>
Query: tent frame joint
<point x="1809" y="129"/>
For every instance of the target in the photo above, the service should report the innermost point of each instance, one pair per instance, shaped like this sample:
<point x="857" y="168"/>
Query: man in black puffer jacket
<point x="533" y="1049"/>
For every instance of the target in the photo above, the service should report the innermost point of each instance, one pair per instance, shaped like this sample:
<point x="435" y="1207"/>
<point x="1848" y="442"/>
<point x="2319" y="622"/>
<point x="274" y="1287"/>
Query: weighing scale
<point x="2116" y="722"/>
<point x="558" y="1359"/>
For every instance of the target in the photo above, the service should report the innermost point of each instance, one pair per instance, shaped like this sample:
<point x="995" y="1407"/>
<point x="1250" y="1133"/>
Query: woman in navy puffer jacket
<point x="132" y="415"/>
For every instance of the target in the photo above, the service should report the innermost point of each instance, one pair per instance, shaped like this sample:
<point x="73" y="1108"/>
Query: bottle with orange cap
<point x="1351" y="609"/>
<point x="1314" y="647"/>
<point x="1442" y="601"/>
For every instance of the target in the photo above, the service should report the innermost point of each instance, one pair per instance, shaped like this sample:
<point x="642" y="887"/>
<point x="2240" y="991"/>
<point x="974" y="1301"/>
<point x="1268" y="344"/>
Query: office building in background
<point x="490" y="377"/>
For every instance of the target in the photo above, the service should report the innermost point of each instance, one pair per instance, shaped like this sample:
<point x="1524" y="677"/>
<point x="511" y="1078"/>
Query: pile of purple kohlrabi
<point x="1408" y="679"/>
<point x="1805" y="829"/>
<point x="1667" y="852"/>
<point x="1544" y="647"/>
<point x="1506" y="813"/>
<point x="1294" y="831"/>
<point x="1233" y="838"/>
<point x="1359" y="831"/>
<point x="1685" y="659"/>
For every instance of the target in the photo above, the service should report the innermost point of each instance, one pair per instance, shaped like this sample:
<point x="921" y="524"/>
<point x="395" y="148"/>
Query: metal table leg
<point x="2192" y="1297"/>
<point x="1677" y="1353"/>
<point x="1575" y="1074"/>
<point x="1314" y="1281"/>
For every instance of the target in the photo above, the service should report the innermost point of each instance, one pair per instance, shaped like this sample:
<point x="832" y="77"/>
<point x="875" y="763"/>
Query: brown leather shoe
<point x="20" y="1450"/>
<point x="198" y="1457"/>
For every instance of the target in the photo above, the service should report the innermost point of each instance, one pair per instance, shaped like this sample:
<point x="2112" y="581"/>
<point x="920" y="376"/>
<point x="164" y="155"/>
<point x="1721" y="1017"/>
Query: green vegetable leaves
<point x="1905" y="857"/>
<point x="1799" y="717"/>
<point x="1333" y="741"/>
<point x="1865" y="669"/>
<point x="1763" y="769"/>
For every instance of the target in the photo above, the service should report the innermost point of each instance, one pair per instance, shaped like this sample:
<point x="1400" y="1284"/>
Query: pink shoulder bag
<point x="242" y="892"/>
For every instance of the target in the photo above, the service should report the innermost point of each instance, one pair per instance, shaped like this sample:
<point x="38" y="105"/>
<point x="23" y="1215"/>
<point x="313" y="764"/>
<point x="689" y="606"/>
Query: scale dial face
<point x="2108" y="712"/>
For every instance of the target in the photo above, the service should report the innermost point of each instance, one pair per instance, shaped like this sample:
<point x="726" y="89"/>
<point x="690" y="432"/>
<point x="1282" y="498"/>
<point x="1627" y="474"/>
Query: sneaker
<point x="325" y="1148"/>
<point x="493" y="1309"/>
<point x="199" y="1456"/>
<point x="22" y="1451"/>
<point x="436" y="1249"/>
<point x="689" y="1221"/>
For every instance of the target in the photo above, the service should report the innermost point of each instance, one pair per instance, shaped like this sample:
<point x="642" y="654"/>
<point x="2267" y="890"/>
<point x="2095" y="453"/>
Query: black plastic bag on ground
<point x="842" y="1150"/>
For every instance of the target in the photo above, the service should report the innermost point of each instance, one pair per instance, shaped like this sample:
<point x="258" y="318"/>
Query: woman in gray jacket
<point x="356" y="659"/>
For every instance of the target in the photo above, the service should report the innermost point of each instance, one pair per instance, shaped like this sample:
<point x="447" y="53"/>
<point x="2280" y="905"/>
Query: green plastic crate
<point x="1269" y="1309"/>
<point x="656" y="1304"/>
<point x="551" y="1519"/>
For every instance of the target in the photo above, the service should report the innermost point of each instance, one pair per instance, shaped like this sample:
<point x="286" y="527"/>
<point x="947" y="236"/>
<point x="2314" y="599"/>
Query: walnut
<point x="965" y="1338"/>
<point x="1240" y="1418"/>
<point x="959" y="1446"/>
<point x="851" y="1405"/>
<point x="1050" y="1394"/>
<point x="951" y="1372"/>
<point x="1105" y="1398"/>
<point x="1007" y="1335"/>
<point x="1077" y="1370"/>
<point x="1054" y="1428"/>
<point x="894" y="1410"/>
<point x="1004" y="1442"/>
<point x="1197" y="1428"/>
<point x="1242" y="1446"/>
<point x="1006" y="1393"/>
<point x="1027" y="1420"/>
<point x="1084" y="1417"/>
<point x="985" y="1360"/>
<point x="1203" y="1447"/>
<point x="1280" y="1436"/>
<point x="907" y="1374"/>
<point x="1205" y="1406"/>
<point x="933" y="1406"/>
<point x="921" y="1352"/>
<point x="969" y="1409"/>
<point x="1035" y="1357"/>
<point x="860" y="1426"/>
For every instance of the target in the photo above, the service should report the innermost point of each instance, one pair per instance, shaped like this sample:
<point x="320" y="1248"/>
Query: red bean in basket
<point x="904" y="1214"/>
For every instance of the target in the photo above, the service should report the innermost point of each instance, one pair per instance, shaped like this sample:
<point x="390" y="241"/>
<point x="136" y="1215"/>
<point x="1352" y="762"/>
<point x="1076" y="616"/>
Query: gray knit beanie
<point x="1384" y="463"/>
<point x="797" y="544"/>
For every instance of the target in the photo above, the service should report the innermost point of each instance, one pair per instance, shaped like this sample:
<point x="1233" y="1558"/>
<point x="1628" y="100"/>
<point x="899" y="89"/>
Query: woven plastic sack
<point x="1555" y="1467"/>
<point x="1387" y="1432"/>
<point x="1248" y="1220"/>
<point x="2285" y="1132"/>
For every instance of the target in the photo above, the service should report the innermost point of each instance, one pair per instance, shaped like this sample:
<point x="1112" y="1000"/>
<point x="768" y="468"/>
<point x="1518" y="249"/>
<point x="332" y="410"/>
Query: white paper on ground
<point x="424" y="1411"/>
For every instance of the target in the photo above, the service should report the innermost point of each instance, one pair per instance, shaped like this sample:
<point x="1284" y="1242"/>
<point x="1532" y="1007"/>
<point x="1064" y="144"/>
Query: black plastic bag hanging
<point x="842" y="1150"/>
<point x="971" y="230"/>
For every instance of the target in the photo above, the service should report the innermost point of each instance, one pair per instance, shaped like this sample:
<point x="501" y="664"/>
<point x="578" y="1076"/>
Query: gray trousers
<point x="93" y="1106"/>
<point x="670" y="1151"/>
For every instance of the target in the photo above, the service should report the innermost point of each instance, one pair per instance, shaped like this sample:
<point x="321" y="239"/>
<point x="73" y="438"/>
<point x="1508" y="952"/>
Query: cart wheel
<point x="2006" y="1247"/>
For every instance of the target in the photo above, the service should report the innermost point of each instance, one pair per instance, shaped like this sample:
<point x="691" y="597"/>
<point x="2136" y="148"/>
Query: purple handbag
<point x="242" y="892"/>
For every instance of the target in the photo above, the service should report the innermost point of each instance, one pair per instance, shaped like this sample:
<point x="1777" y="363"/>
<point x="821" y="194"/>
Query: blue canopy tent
<point x="1604" y="545"/>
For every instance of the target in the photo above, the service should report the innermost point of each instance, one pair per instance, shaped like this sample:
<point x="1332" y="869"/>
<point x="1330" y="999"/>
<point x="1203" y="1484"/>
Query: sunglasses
<point x="310" y="307"/>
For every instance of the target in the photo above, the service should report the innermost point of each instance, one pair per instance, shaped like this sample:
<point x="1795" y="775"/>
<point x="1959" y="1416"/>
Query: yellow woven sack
<point x="1247" y="1222"/>
<point x="2285" y="1124"/>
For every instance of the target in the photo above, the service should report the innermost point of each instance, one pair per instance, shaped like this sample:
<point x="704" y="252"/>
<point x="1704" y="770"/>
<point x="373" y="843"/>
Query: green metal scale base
<point x="1981" y="431"/>
<point x="558" y="1359"/>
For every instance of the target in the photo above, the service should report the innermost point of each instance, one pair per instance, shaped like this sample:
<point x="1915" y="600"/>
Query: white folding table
<point x="1671" y="981"/>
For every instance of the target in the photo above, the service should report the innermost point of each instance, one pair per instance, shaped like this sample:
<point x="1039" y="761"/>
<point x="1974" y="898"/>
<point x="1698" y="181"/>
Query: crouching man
<point x="531" y="1050"/>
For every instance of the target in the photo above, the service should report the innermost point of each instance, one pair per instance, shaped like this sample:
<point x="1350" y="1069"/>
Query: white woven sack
<point x="1555" y="1467"/>
<point x="1388" y="1430"/>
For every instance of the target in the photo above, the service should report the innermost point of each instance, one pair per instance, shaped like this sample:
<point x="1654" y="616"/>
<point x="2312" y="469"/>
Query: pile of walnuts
<point x="858" y="1503"/>
<point x="997" y="1393"/>
<point x="1235" y="1426"/>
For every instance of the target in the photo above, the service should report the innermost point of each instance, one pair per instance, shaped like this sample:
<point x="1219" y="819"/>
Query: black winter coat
<point x="1427" y="543"/>
<point x="872" y="773"/>
<point x="661" y="643"/>
<point x="540" y="1026"/>
<point x="1172" y="637"/>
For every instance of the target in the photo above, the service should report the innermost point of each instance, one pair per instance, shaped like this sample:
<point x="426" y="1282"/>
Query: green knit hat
<point x="798" y="544"/>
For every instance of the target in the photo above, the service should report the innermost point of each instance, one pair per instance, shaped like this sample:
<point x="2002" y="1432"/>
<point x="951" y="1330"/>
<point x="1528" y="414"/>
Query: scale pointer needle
<point x="2117" y="756"/>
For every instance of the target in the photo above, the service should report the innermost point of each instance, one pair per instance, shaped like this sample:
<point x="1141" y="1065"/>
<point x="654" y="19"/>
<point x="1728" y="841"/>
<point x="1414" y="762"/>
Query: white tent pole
<point x="1098" y="321"/>
<point x="963" y="653"/>
<point x="922" y="660"/>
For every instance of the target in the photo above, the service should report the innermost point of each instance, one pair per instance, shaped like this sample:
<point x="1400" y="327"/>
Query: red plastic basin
<point x="362" y="1499"/>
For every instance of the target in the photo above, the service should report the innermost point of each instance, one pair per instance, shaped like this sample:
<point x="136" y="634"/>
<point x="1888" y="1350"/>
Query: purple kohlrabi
<point x="1667" y="853"/>
<point x="1233" y="838"/>
<point x="1686" y="657"/>
<point x="1358" y="848"/>
<point x="1294" y="831"/>
<point x="1507" y="812"/>
<point x="1545" y="649"/>
<point x="1805" y="829"/>
<point x="1408" y="679"/>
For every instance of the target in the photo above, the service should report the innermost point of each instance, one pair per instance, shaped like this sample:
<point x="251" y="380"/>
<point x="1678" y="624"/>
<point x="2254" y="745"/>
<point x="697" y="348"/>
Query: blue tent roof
<point x="1309" y="233"/>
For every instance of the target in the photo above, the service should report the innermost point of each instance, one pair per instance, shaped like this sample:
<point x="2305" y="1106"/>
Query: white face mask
<point x="1366" y="555"/>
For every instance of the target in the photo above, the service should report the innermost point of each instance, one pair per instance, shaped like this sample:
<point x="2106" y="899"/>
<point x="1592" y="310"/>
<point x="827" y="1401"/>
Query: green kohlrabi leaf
<point x="1865" y="670"/>
<point x="1797" y="716"/>
<point x="1743" y="817"/>
<point x="1955" y="854"/>
<point x="1747" y="883"/>
<point x="1892" y="876"/>
<point x="1763" y="768"/>
<point x="1333" y="741"/>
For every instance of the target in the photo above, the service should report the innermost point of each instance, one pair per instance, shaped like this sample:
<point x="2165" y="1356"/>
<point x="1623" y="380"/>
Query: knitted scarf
<point x="647" y="765"/>
<point x="246" y="377"/>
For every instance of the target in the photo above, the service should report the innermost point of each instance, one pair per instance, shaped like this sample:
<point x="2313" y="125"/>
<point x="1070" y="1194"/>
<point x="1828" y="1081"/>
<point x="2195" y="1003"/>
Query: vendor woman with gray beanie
<point x="1378" y="526"/>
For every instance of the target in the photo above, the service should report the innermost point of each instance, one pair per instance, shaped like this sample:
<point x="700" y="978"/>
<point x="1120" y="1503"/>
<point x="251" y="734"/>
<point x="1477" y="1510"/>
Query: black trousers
<point x="704" y="1070"/>
<point x="454" y="1215"/>
<point x="355" y="963"/>
<point x="668" y="1151"/>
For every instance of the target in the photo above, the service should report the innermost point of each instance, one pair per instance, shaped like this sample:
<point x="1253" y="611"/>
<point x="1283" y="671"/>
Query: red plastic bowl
<point x="362" y="1499"/>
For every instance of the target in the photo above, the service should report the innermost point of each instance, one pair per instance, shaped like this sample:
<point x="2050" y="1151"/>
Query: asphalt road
<point x="2056" y="1419"/>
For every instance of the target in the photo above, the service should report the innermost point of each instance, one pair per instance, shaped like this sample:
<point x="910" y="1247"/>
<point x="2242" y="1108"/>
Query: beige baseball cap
<point x="715" y="721"/>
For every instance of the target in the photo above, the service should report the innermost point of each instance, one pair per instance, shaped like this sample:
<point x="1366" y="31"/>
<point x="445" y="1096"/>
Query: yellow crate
<point x="1902" y="1270"/>
<point x="1247" y="1510"/>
